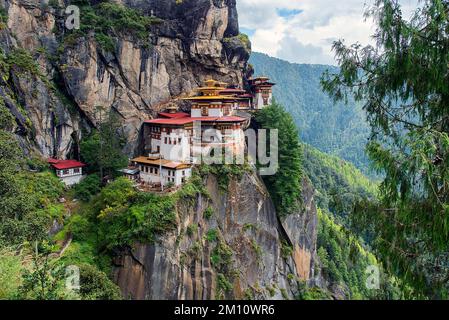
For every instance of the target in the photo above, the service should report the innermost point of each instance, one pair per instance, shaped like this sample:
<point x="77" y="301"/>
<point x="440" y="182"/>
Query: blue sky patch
<point x="287" y="13"/>
<point x="249" y="32"/>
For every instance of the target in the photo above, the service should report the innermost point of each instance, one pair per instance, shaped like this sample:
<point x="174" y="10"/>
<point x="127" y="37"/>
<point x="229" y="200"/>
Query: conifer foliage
<point x="285" y="185"/>
<point x="403" y="82"/>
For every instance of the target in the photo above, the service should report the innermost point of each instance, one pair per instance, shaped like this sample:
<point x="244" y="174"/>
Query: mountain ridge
<point x="333" y="128"/>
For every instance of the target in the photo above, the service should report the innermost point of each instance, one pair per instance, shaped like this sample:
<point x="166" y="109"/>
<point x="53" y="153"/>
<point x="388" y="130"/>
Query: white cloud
<point x="306" y="37"/>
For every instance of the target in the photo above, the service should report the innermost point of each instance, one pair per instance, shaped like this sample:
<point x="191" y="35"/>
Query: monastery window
<point x="179" y="140"/>
<point x="156" y="171"/>
<point x="174" y="141"/>
<point x="146" y="169"/>
<point x="151" y="170"/>
<point x="183" y="172"/>
<point x="166" y="140"/>
<point x="77" y="170"/>
<point x="65" y="172"/>
<point x="205" y="111"/>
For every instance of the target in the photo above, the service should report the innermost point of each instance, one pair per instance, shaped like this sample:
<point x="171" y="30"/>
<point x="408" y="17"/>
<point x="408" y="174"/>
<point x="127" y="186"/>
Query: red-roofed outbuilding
<point x="69" y="171"/>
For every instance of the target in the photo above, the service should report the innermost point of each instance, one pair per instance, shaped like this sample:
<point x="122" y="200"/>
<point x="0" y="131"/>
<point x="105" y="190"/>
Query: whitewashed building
<point x="69" y="171"/>
<point x="155" y="171"/>
<point x="175" y="140"/>
<point x="262" y="91"/>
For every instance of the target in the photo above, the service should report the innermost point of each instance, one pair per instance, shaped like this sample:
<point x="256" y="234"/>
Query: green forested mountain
<point x="338" y="183"/>
<point x="334" y="128"/>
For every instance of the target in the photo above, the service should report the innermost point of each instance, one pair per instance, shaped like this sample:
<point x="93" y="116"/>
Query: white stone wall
<point x="196" y="113"/>
<point x="168" y="176"/>
<point x="176" y="152"/>
<point x="154" y="144"/>
<point x="72" y="180"/>
<point x="258" y="101"/>
<point x="215" y="112"/>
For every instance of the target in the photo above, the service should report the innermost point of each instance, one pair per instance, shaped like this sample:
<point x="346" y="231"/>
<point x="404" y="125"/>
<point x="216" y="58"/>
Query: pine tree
<point x="404" y="84"/>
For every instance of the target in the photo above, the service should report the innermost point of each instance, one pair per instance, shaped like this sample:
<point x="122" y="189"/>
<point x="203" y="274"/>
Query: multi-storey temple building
<point x="175" y="141"/>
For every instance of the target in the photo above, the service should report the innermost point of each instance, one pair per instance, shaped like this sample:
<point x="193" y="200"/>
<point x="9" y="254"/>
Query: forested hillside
<point x="334" y="128"/>
<point x="338" y="183"/>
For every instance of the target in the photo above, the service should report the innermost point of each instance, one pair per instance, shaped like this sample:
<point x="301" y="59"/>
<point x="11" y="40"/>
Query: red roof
<point x="176" y="115"/>
<point x="184" y="121"/>
<point x="65" y="164"/>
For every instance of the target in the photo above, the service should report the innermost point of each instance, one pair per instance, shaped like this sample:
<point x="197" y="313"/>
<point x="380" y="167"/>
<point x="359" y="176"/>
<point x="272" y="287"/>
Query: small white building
<point x="69" y="171"/>
<point x="155" y="171"/>
<point x="262" y="90"/>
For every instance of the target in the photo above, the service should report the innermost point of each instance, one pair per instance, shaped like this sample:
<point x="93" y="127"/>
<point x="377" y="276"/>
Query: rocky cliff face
<point x="194" y="40"/>
<point x="228" y="245"/>
<point x="241" y="251"/>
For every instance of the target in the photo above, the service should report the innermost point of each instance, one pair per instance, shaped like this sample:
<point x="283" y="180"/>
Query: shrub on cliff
<point x="125" y="215"/>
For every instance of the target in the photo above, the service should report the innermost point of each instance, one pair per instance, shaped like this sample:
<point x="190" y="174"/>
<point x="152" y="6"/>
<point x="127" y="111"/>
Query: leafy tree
<point x="403" y="83"/>
<point x="95" y="285"/>
<point x="102" y="150"/>
<point x="26" y="200"/>
<point x="124" y="215"/>
<point x="89" y="187"/>
<point x="285" y="185"/>
<point x="45" y="279"/>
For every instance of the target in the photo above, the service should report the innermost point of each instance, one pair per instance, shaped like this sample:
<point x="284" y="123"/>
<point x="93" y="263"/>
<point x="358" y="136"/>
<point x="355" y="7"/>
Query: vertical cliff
<point x="190" y="41"/>
<point x="229" y="244"/>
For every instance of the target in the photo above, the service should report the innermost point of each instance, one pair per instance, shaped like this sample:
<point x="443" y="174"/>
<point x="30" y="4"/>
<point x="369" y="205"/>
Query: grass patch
<point x="110" y="20"/>
<point x="212" y="235"/>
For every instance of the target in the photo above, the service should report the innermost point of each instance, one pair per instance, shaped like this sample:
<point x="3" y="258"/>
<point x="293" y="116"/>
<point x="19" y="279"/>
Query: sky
<point x="303" y="31"/>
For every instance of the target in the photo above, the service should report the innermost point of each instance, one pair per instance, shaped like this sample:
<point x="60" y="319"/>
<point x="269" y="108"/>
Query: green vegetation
<point x="209" y="213"/>
<point x="7" y="120"/>
<point x="339" y="185"/>
<point x="124" y="215"/>
<point x="95" y="285"/>
<point x="10" y="277"/>
<point x="333" y="128"/>
<point x="88" y="188"/>
<point x="221" y="260"/>
<point x="224" y="173"/>
<point x="306" y="293"/>
<point x="344" y="262"/>
<point x="27" y="201"/>
<point x="212" y="235"/>
<point x="3" y="18"/>
<point x="403" y="86"/>
<point x="102" y="149"/>
<point x="286" y="250"/>
<point x="242" y="38"/>
<point x="223" y="285"/>
<point x="23" y="64"/>
<point x="285" y="185"/>
<point x="192" y="229"/>
<point x="109" y="20"/>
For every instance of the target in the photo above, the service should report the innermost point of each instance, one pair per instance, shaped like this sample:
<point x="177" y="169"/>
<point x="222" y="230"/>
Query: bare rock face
<point x="183" y="265"/>
<point x="189" y="46"/>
